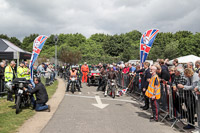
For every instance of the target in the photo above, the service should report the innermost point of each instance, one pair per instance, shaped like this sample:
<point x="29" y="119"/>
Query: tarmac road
<point x="77" y="114"/>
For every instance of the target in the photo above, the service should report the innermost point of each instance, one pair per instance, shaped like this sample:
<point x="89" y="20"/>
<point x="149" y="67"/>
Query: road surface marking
<point x="99" y="103"/>
<point x="121" y="100"/>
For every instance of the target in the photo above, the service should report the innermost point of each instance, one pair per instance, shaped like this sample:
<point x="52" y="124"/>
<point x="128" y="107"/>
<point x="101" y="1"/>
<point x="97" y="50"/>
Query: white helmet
<point x="111" y="66"/>
<point x="8" y="86"/>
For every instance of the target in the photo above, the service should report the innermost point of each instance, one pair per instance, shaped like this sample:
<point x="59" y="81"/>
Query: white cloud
<point x="20" y="18"/>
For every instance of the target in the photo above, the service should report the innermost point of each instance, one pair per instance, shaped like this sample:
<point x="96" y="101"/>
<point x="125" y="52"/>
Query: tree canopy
<point x="76" y="48"/>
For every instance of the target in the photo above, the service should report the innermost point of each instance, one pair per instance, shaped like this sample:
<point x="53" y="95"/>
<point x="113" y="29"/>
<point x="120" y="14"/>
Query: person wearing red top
<point x="85" y="71"/>
<point x="126" y="69"/>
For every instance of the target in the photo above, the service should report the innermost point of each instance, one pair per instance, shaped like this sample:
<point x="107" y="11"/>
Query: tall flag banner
<point x="146" y="42"/>
<point x="37" y="47"/>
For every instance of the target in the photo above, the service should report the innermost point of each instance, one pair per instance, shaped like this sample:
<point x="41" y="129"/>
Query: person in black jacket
<point x="164" y="76"/>
<point x="2" y="70"/>
<point x="145" y="82"/>
<point x="41" y="95"/>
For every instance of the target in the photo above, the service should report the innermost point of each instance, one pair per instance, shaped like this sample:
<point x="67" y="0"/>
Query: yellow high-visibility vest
<point x="27" y="76"/>
<point x="151" y="88"/>
<point x="8" y="73"/>
<point x="20" y="72"/>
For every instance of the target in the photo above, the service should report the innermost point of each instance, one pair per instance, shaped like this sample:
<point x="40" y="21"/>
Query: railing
<point x="177" y="106"/>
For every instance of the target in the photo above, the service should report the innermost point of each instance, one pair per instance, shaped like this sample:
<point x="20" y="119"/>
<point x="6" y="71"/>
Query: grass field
<point x="9" y="121"/>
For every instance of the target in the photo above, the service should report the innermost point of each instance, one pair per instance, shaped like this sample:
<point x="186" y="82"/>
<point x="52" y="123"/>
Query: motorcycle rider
<point x="73" y="73"/>
<point x="10" y="76"/>
<point x="102" y="80"/>
<point x="111" y="76"/>
<point x="79" y="75"/>
<point x="63" y="71"/>
<point x="68" y="72"/>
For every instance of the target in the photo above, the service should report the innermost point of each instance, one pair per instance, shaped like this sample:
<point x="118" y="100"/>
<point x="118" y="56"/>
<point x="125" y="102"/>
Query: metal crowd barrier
<point x="129" y="81"/>
<point x="49" y="77"/>
<point x="177" y="106"/>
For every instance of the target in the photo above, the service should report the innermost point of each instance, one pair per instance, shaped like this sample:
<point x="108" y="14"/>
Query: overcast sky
<point x="21" y="18"/>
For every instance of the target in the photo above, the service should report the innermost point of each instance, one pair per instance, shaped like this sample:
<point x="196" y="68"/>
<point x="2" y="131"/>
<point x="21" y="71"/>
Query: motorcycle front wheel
<point x="113" y="92"/>
<point x="73" y="87"/>
<point x="18" y="104"/>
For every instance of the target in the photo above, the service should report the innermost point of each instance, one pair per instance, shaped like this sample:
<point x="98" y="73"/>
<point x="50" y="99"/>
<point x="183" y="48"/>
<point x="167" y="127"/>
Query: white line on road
<point x="99" y="103"/>
<point x="121" y="100"/>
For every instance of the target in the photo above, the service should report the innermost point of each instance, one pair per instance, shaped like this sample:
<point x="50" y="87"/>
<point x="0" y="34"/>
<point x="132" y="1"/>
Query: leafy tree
<point x="15" y="41"/>
<point x="27" y="43"/>
<point x="171" y="50"/>
<point x="4" y="36"/>
<point x="75" y="48"/>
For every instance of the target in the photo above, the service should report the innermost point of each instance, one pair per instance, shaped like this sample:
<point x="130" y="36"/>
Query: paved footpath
<point x="90" y="112"/>
<point x="36" y="123"/>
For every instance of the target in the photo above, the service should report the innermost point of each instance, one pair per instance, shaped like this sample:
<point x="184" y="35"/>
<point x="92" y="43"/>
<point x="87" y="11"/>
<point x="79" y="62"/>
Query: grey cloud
<point x="20" y="18"/>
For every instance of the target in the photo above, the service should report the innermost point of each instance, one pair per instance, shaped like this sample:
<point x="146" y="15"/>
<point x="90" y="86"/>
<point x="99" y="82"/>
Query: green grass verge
<point x="9" y="121"/>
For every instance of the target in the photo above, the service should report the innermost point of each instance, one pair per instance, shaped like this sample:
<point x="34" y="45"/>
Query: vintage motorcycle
<point x="112" y="88"/>
<point x="22" y="98"/>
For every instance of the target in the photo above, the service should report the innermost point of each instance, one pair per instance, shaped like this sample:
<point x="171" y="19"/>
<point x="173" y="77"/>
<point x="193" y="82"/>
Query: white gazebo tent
<point x="188" y="58"/>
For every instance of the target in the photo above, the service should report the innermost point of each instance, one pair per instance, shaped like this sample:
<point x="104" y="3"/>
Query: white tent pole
<point x="17" y="59"/>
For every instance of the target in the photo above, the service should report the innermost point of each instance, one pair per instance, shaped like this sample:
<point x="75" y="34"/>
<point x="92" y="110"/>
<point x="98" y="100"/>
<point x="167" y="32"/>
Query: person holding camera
<point x="41" y="95"/>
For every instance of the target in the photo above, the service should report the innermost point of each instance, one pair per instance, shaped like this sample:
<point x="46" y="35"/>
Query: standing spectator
<point x="172" y="75"/>
<point x="27" y="71"/>
<point x="167" y="62"/>
<point x="2" y="70"/>
<point x="114" y="67"/>
<point x="197" y="65"/>
<point x="197" y="90"/>
<point x="126" y="69"/>
<point x="145" y="82"/>
<point x="163" y="66"/>
<point x="175" y="62"/>
<point x="48" y="75"/>
<point x="190" y="65"/>
<point x="132" y="69"/>
<point x="9" y="76"/>
<point x="192" y="81"/>
<point x="85" y="71"/>
<point x="153" y="92"/>
<point x="40" y="69"/>
<point x="4" y="62"/>
<point x="20" y="70"/>
<point x="178" y="95"/>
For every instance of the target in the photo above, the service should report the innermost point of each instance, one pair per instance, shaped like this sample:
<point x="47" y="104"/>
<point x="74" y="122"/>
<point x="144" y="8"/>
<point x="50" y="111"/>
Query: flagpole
<point x="56" y="40"/>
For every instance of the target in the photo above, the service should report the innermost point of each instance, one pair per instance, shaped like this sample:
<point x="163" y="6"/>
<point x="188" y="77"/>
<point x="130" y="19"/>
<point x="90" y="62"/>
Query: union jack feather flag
<point x="37" y="47"/>
<point x="146" y="42"/>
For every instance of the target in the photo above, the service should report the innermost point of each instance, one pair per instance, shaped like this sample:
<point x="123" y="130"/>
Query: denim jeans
<point x="31" y="97"/>
<point x="40" y="107"/>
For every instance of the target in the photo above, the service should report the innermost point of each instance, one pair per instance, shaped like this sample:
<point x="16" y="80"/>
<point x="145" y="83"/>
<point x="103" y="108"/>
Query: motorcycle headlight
<point x="73" y="79"/>
<point x="8" y="86"/>
<point x="21" y="85"/>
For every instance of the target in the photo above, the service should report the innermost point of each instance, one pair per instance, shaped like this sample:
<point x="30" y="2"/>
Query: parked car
<point x="93" y="77"/>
